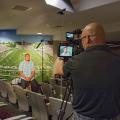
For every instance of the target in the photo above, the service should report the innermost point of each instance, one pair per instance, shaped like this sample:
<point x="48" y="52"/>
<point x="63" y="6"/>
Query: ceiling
<point x="35" y="16"/>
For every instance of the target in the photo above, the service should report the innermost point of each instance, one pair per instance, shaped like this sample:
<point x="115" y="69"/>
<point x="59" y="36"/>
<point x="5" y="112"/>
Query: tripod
<point x="64" y="103"/>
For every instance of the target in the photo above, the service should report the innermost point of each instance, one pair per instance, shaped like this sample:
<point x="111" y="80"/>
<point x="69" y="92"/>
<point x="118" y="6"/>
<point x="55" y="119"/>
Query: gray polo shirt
<point x="96" y="82"/>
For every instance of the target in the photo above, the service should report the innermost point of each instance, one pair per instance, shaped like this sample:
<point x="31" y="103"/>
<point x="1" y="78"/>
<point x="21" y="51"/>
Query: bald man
<point x="96" y="77"/>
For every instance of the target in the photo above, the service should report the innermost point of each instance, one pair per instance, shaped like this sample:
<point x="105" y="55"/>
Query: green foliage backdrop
<point x="12" y="54"/>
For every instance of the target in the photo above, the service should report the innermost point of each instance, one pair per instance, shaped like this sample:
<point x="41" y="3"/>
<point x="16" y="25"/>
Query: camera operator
<point x="96" y="77"/>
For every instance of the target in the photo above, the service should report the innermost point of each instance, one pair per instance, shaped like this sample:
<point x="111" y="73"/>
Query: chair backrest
<point x="10" y="93"/>
<point x="0" y="86"/>
<point x="54" y="109"/>
<point x="3" y="90"/>
<point x="60" y="91"/>
<point x="22" y="98"/>
<point x="47" y="89"/>
<point x="39" y="108"/>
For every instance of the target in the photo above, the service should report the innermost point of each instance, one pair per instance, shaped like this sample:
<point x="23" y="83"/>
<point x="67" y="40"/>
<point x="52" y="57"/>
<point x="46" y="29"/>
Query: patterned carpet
<point x="10" y="110"/>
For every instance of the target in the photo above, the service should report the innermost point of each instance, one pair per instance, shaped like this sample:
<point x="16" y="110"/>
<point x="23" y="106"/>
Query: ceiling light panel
<point x="61" y="4"/>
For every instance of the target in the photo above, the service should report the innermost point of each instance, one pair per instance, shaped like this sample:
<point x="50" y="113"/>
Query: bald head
<point x="93" y="34"/>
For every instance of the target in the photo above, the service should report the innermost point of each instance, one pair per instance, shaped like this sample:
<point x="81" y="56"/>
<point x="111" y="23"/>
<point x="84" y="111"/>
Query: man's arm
<point x="27" y="78"/>
<point x="32" y="71"/>
<point x="58" y="67"/>
<point x="61" y="68"/>
<point x="32" y="74"/>
<point x="22" y="75"/>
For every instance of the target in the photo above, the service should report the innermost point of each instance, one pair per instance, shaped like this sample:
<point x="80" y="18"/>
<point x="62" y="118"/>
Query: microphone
<point x="39" y="43"/>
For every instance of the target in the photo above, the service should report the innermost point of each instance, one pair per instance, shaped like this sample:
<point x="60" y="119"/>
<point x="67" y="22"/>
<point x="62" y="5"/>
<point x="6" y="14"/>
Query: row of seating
<point x="52" y="90"/>
<point x="41" y="110"/>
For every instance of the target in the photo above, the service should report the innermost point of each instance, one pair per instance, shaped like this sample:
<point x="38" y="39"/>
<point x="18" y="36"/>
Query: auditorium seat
<point x="28" y="118"/>
<point x="16" y="117"/>
<point x="22" y="98"/>
<point x="20" y="117"/>
<point x="54" y="109"/>
<point x="60" y="91"/>
<point x="10" y="93"/>
<point x="3" y="104"/>
<point x="10" y="109"/>
<point x="3" y="93"/>
<point x="3" y="89"/>
<point x="47" y="89"/>
<point x="39" y="107"/>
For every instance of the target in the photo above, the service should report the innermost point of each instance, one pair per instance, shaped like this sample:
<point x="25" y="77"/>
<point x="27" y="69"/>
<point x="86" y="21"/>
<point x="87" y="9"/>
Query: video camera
<point x="72" y="46"/>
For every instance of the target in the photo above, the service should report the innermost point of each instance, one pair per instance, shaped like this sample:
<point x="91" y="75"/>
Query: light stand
<point x="42" y="73"/>
<point x="42" y="68"/>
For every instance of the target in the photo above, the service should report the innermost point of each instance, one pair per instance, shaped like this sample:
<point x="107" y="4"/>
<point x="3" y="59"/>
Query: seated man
<point x="27" y="74"/>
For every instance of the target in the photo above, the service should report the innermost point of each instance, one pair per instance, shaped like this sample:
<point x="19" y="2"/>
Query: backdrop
<point x="12" y="50"/>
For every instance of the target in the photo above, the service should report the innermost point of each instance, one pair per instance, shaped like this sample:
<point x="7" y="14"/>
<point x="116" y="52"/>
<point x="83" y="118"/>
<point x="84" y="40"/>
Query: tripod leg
<point x="64" y="104"/>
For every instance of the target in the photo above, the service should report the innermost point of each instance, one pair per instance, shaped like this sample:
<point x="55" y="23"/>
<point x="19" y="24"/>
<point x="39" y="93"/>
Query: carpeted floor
<point x="10" y="110"/>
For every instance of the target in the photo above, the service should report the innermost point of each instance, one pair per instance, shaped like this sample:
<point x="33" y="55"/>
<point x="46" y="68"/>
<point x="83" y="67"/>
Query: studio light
<point x="61" y="4"/>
